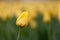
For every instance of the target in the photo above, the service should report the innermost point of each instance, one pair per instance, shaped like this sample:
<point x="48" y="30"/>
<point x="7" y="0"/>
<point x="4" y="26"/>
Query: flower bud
<point x="22" y="20"/>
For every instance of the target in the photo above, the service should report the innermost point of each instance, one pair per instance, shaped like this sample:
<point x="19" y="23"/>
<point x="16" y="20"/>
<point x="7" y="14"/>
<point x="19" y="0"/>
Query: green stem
<point x="18" y="34"/>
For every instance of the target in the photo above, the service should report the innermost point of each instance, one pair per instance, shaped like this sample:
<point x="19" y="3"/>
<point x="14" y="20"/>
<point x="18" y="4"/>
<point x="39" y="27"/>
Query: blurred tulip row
<point x="10" y="9"/>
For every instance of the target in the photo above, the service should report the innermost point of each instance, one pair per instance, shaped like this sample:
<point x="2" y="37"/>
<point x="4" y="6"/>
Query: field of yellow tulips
<point x="30" y="21"/>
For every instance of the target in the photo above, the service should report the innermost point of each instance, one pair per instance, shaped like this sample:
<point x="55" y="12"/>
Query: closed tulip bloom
<point x="46" y="17"/>
<point x="22" y="20"/>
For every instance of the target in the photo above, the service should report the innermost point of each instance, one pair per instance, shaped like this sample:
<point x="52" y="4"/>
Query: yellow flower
<point x="22" y="20"/>
<point x="46" y="17"/>
<point x="33" y="24"/>
<point x="58" y="12"/>
<point x="52" y="9"/>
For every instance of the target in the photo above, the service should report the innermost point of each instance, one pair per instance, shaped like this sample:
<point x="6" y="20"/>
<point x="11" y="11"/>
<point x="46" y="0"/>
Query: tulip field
<point x="27" y="20"/>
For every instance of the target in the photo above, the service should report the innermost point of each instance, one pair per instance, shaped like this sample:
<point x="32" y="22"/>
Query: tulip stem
<point x="18" y="36"/>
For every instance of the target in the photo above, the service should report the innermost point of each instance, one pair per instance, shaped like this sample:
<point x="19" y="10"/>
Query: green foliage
<point x="44" y="31"/>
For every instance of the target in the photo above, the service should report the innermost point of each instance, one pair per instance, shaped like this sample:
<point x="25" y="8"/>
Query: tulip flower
<point x="22" y="20"/>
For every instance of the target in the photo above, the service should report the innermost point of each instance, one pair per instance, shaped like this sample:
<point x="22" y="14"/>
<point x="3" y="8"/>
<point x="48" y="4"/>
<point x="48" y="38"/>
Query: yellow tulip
<point x="52" y="9"/>
<point x="33" y="24"/>
<point x="22" y="20"/>
<point x="46" y="17"/>
<point x="58" y="12"/>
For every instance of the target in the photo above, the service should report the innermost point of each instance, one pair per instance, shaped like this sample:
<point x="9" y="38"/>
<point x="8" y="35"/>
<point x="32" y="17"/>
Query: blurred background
<point x="44" y="26"/>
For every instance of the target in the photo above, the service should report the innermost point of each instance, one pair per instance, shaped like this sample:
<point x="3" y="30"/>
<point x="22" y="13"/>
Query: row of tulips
<point x="10" y="9"/>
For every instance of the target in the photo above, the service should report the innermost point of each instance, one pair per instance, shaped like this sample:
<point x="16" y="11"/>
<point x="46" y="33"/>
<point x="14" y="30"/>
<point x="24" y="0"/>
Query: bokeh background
<point x="47" y="25"/>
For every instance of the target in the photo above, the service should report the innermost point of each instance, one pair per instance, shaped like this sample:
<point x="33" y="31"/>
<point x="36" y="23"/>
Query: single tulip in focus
<point x="22" y="20"/>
